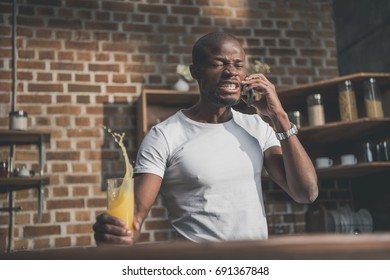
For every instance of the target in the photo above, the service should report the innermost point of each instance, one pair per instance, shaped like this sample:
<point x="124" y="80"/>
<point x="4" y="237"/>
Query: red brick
<point x="29" y="21"/>
<point x="64" y="204"/>
<point x="80" y="191"/>
<point x="83" y="78"/>
<point x="134" y="27"/>
<point x="91" y="132"/>
<point x="83" y="88"/>
<point x="62" y="242"/>
<point x="83" y="240"/>
<point x="79" y="228"/>
<point x="118" y="6"/>
<point x="157" y="224"/>
<point x="97" y="202"/>
<point x="62" y="56"/>
<point x="34" y="231"/>
<point x="41" y="243"/>
<point x="63" y="144"/>
<point x="60" y="191"/>
<point x="64" y="24"/>
<point x="62" y="217"/>
<point x="64" y="66"/>
<point x="83" y="216"/>
<point x="83" y="56"/>
<point x="59" y="167"/>
<point x="64" y="109"/>
<point x="76" y="179"/>
<point x="63" y="155"/>
<point x="45" y="87"/>
<point x="313" y="52"/>
<point x="83" y="145"/>
<point x="101" y="26"/>
<point x="64" y="77"/>
<point x="30" y="65"/>
<point x="121" y="89"/>
<point x="91" y="46"/>
<point x="46" y="44"/>
<point x="62" y="121"/>
<point x="157" y="9"/>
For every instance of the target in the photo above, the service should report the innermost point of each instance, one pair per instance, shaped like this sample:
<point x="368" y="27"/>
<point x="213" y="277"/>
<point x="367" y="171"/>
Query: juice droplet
<point x="118" y="137"/>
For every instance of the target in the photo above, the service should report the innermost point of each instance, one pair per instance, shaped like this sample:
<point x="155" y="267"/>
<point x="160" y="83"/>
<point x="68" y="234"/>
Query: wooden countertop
<point x="298" y="247"/>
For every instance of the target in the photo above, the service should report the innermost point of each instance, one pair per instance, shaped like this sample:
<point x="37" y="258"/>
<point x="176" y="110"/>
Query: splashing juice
<point x="120" y="192"/>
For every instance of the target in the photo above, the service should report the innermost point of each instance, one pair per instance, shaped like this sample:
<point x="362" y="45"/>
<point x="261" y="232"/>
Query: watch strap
<point x="287" y="134"/>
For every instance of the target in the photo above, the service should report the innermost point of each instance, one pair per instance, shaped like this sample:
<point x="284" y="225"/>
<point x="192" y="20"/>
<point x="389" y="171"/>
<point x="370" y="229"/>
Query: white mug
<point x="323" y="162"/>
<point x="348" y="159"/>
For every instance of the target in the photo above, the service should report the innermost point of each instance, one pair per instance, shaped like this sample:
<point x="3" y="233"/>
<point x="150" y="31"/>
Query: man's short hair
<point x="207" y="41"/>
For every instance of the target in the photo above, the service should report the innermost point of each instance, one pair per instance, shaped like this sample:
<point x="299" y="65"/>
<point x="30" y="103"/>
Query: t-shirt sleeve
<point x="270" y="140"/>
<point x="152" y="154"/>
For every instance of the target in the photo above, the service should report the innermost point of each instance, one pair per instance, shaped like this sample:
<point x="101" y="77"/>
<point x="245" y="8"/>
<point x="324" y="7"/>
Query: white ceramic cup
<point x="348" y="159"/>
<point x="323" y="162"/>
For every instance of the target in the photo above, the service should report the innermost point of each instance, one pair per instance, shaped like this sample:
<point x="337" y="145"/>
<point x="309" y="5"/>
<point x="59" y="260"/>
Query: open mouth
<point x="230" y="86"/>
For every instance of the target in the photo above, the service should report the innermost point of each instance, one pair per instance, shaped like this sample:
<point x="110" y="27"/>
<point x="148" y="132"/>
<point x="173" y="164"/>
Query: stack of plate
<point x="346" y="221"/>
<point x="366" y="222"/>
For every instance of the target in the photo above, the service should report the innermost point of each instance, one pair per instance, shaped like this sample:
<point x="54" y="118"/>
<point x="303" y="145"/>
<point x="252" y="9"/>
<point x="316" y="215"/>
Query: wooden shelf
<point x="348" y="171"/>
<point x="353" y="171"/>
<point x="20" y="183"/>
<point x="344" y="131"/>
<point x="23" y="137"/>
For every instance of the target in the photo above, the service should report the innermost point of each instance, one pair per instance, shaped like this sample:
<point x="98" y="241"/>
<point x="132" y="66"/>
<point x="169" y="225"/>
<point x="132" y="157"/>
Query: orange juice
<point x="121" y="200"/>
<point x="120" y="192"/>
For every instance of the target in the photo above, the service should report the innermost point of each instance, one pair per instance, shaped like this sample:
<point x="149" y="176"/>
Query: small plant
<point x="258" y="67"/>
<point x="184" y="72"/>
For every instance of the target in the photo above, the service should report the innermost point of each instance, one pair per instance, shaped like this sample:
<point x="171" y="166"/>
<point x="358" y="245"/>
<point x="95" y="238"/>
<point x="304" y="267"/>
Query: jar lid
<point x="314" y="99"/>
<point x="348" y="83"/>
<point x="295" y="113"/>
<point x="19" y="113"/>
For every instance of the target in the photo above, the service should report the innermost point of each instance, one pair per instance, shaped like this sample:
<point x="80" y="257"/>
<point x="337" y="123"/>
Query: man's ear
<point x="194" y="71"/>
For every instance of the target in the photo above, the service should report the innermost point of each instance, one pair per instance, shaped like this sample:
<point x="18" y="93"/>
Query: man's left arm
<point x="289" y="165"/>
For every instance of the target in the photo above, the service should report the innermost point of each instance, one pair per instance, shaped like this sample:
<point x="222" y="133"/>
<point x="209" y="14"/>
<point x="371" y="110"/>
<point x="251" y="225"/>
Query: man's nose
<point x="230" y="70"/>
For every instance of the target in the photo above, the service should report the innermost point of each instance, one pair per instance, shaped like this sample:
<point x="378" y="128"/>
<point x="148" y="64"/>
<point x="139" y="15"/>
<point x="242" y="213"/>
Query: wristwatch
<point x="287" y="134"/>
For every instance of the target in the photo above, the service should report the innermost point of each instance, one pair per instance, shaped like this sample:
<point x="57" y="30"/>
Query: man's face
<point x="221" y="73"/>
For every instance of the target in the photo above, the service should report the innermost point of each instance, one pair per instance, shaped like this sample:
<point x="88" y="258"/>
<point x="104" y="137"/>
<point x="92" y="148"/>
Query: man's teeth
<point x="230" y="86"/>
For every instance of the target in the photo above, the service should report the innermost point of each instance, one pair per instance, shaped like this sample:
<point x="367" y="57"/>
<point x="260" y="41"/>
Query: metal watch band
<point x="287" y="134"/>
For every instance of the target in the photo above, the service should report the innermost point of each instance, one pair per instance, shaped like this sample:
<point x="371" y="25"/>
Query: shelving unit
<point x="332" y="139"/>
<point x="10" y="184"/>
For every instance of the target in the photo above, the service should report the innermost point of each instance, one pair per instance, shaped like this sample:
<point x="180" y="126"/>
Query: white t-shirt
<point x="211" y="175"/>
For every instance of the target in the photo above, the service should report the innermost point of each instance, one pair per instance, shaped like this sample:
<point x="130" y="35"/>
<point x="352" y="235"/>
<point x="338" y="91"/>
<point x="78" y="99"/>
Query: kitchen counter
<point x="299" y="247"/>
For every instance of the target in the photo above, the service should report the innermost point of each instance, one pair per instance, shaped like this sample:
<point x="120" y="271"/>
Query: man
<point x="207" y="159"/>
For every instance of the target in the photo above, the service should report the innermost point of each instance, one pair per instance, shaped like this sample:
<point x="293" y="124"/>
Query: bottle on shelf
<point x="347" y="101"/>
<point x="372" y="99"/>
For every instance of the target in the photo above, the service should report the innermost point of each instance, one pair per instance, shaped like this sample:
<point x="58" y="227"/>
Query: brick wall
<point x="82" y="64"/>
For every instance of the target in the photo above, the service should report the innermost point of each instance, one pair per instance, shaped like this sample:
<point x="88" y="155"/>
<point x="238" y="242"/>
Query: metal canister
<point x="315" y="110"/>
<point x="18" y="120"/>
<point x="3" y="169"/>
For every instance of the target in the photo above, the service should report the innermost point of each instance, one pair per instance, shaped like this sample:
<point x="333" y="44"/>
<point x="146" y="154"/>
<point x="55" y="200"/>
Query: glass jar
<point x="296" y="118"/>
<point x="372" y="99"/>
<point x="347" y="101"/>
<point x="315" y="110"/>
